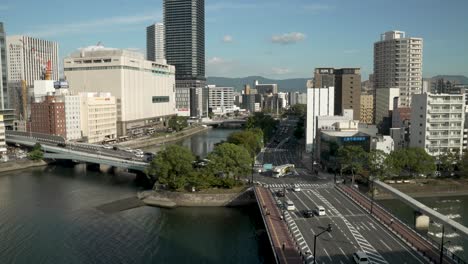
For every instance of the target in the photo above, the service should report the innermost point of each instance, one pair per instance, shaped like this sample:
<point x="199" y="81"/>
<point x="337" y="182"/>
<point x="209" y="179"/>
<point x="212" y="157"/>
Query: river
<point x="454" y="207"/>
<point x="51" y="215"/>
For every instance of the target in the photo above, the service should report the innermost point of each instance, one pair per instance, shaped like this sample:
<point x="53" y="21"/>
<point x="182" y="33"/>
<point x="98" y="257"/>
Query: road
<point x="353" y="228"/>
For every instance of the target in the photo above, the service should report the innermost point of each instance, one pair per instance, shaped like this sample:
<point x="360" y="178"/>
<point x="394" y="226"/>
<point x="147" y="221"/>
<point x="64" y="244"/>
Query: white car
<point x="296" y="188"/>
<point x="290" y="205"/>
<point x="360" y="258"/>
<point x="107" y="146"/>
<point x="320" y="210"/>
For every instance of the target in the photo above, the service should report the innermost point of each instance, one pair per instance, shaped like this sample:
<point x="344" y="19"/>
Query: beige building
<point x="367" y="109"/>
<point x="144" y="90"/>
<point x="98" y="116"/>
<point x="398" y="63"/>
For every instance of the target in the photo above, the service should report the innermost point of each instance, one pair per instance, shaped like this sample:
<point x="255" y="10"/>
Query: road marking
<point x="342" y="251"/>
<point x="389" y="248"/>
<point x="326" y="252"/>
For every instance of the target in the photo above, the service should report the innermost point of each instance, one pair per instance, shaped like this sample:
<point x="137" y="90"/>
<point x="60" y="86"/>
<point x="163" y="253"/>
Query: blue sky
<point x="275" y="38"/>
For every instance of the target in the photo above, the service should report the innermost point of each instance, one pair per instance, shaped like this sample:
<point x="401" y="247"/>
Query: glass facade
<point x="3" y="73"/>
<point x="184" y="22"/>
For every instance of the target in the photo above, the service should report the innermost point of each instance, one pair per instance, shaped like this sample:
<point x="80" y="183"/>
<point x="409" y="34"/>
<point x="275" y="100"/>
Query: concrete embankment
<point x="169" y="199"/>
<point x="427" y="188"/>
<point x="20" y="165"/>
<point x="150" y="141"/>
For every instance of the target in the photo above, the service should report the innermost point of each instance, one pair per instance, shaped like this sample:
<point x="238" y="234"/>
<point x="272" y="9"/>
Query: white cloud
<point x="216" y="61"/>
<point x="228" y="39"/>
<point x="280" y="71"/>
<point x="288" y="38"/>
<point x="317" y="7"/>
<point x="94" y="25"/>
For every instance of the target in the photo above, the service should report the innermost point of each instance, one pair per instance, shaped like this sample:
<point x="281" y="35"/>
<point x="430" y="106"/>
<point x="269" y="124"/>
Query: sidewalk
<point x="284" y="247"/>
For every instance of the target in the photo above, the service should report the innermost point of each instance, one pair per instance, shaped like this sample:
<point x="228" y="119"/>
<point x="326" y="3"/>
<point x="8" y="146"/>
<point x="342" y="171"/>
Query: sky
<point x="272" y="38"/>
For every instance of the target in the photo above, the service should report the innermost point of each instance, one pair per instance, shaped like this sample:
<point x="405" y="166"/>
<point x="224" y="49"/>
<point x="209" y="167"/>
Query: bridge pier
<point x="93" y="167"/>
<point x="421" y="221"/>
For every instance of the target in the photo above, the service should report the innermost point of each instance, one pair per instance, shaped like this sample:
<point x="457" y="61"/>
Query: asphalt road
<point x="353" y="228"/>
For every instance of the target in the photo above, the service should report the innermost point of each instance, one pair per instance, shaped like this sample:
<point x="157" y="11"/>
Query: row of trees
<point x="409" y="162"/>
<point x="177" y="123"/>
<point x="264" y="122"/>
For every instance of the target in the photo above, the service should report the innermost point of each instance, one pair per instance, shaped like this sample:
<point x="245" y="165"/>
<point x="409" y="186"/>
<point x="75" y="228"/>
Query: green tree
<point x="232" y="160"/>
<point x="377" y="163"/>
<point x="173" y="166"/>
<point x="448" y="161"/>
<point x="464" y="165"/>
<point x="177" y="123"/>
<point x="411" y="161"/>
<point x="265" y="122"/>
<point x="250" y="139"/>
<point x="36" y="153"/>
<point x="299" y="131"/>
<point x="352" y="158"/>
<point x="298" y="110"/>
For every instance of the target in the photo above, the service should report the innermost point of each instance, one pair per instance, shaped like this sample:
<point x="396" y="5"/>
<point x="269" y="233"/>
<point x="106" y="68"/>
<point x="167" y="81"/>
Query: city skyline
<point x="268" y="38"/>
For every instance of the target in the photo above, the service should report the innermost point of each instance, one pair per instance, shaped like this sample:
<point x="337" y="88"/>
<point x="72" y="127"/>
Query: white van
<point x="360" y="258"/>
<point x="320" y="210"/>
<point x="290" y="205"/>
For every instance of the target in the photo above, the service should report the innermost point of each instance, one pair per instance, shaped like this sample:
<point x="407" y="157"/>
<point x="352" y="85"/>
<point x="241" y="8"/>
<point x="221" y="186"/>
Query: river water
<point x="51" y="215"/>
<point x="454" y="207"/>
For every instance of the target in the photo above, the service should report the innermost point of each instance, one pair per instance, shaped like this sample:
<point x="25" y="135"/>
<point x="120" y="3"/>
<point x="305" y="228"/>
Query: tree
<point x="448" y="161"/>
<point x="231" y="160"/>
<point x="412" y="161"/>
<point x="177" y="123"/>
<point x="265" y="122"/>
<point x="464" y="165"/>
<point x="299" y="131"/>
<point x="36" y="153"/>
<point x="352" y="158"/>
<point x="377" y="164"/>
<point x="250" y="139"/>
<point x="298" y="110"/>
<point x="173" y="166"/>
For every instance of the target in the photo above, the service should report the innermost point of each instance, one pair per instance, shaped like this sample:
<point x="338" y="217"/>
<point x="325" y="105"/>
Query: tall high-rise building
<point x="347" y="83"/>
<point x="398" y="64"/>
<point x="155" y="42"/>
<point x="27" y="60"/>
<point x="3" y="69"/>
<point x="348" y="91"/>
<point x="320" y="102"/>
<point x="184" y="22"/>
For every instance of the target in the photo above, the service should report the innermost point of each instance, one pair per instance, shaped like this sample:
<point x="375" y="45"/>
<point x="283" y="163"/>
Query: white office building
<point x="144" y="90"/>
<point x="398" y="63"/>
<point x="221" y="99"/>
<point x="3" y="146"/>
<point x="98" y="116"/>
<point x="155" y="42"/>
<point x="320" y="102"/>
<point x="42" y="88"/>
<point x="73" y="117"/>
<point x="437" y="122"/>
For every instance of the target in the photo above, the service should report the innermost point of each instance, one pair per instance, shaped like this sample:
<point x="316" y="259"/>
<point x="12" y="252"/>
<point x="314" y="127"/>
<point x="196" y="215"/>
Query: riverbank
<point x="20" y="165"/>
<point x="429" y="188"/>
<point x="151" y="141"/>
<point x="168" y="199"/>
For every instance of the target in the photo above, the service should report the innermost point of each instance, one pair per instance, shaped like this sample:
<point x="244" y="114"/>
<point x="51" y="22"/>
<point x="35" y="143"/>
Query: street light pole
<point x="329" y="229"/>
<point x="442" y="245"/>
<point x="372" y="195"/>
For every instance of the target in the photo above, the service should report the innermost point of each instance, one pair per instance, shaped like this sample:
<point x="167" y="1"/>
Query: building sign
<point x="61" y="84"/>
<point x="354" y="139"/>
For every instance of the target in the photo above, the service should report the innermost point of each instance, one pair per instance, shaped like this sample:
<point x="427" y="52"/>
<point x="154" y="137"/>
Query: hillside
<point x="286" y="85"/>
<point x="460" y="79"/>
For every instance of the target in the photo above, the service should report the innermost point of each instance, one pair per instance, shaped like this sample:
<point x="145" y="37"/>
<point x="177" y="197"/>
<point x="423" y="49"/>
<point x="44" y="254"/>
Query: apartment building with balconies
<point x="437" y="123"/>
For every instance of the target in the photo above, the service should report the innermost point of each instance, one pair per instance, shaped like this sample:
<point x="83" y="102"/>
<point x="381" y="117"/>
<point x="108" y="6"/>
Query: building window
<point x="160" y="99"/>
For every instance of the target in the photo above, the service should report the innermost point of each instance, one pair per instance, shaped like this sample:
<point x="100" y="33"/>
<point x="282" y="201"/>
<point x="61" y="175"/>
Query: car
<point x="296" y="188"/>
<point x="138" y="151"/>
<point x="290" y="205"/>
<point x="107" y="146"/>
<point x="280" y="193"/>
<point x="308" y="213"/>
<point x="360" y="257"/>
<point x="320" y="210"/>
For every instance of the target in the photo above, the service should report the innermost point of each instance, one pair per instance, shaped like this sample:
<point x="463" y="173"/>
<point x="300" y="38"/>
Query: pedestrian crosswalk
<point x="302" y="185"/>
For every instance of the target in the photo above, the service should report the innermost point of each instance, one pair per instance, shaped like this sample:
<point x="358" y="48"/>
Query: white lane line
<point x="389" y="248"/>
<point x="342" y="251"/>
<point x="327" y="254"/>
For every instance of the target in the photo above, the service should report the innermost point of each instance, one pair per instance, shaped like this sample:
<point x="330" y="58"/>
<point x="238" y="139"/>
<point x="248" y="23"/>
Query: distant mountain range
<point x="459" y="79"/>
<point x="297" y="84"/>
<point x="286" y="85"/>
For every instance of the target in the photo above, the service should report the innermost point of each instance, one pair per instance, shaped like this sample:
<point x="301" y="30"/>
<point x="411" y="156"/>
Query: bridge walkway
<point x="284" y="248"/>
